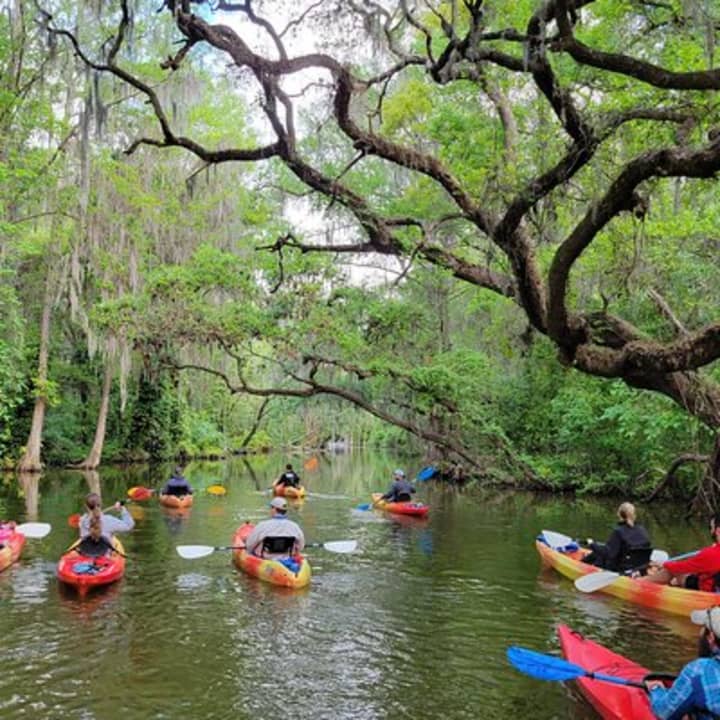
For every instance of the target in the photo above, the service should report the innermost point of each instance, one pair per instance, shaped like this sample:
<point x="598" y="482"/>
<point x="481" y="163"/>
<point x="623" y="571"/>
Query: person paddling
<point x="288" y="479"/>
<point x="699" y="572"/>
<point x="696" y="690"/>
<point x="278" y="536"/>
<point x="177" y="485"/>
<point x="627" y="547"/>
<point x="400" y="490"/>
<point x="97" y="528"/>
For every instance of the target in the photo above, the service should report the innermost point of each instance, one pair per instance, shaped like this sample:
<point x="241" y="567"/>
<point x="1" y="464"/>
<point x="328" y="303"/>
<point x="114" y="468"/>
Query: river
<point x="415" y="624"/>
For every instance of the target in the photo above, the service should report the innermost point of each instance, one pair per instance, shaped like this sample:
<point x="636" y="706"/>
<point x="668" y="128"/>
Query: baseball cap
<point x="710" y="618"/>
<point x="279" y="503"/>
<point x="399" y="473"/>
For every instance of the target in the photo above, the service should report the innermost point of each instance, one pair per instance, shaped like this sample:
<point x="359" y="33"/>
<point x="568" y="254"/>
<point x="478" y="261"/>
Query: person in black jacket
<point x="289" y="478"/>
<point x="627" y="547"/>
<point x="400" y="490"/>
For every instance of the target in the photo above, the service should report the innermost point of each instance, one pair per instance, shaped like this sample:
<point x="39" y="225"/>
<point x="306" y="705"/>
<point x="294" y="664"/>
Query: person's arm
<point x="112" y="525"/>
<point x="706" y="561"/>
<point x="673" y="703"/>
<point x="390" y="493"/>
<point x="613" y="548"/>
<point x="254" y="539"/>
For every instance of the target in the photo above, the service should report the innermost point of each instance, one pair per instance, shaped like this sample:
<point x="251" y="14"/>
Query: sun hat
<point x="710" y="618"/>
<point x="279" y="503"/>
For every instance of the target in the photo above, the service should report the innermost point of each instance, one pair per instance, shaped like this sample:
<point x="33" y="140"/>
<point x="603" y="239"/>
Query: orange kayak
<point x="176" y="501"/>
<point x="400" y="508"/>
<point x="12" y="544"/>
<point x="294" y="572"/>
<point x="84" y="572"/>
<point x="289" y="491"/>
<point x="678" y="601"/>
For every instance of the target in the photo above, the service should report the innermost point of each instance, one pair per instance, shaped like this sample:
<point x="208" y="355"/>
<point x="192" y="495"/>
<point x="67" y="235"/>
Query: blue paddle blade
<point x="427" y="473"/>
<point x="543" y="667"/>
<point x="364" y="506"/>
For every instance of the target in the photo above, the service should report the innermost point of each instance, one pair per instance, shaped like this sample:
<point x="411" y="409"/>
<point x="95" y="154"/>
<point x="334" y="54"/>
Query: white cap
<point x="710" y="618"/>
<point x="279" y="503"/>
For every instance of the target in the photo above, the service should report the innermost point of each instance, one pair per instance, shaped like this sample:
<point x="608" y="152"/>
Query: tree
<point x="600" y="145"/>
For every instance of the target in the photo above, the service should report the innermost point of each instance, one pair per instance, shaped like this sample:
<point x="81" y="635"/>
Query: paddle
<point x="34" y="530"/>
<point x="557" y="540"/>
<point x="192" y="552"/>
<point x="599" y="580"/>
<point x="74" y="519"/>
<point x="548" y="667"/>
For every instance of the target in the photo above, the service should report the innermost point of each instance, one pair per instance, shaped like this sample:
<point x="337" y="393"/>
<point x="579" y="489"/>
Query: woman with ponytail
<point x="627" y="547"/>
<point x="97" y="528"/>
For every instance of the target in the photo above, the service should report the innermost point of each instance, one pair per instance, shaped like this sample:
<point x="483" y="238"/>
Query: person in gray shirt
<point x="97" y="528"/>
<point x="271" y="533"/>
<point x="401" y="490"/>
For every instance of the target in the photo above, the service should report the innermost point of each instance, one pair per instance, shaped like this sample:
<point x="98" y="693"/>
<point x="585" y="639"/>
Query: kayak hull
<point x="270" y="571"/>
<point x="400" y="508"/>
<point x="666" y="598"/>
<point x="176" y="501"/>
<point x="107" y="569"/>
<point x="139" y="493"/>
<point x="289" y="492"/>
<point x="12" y="542"/>
<point x="612" y="702"/>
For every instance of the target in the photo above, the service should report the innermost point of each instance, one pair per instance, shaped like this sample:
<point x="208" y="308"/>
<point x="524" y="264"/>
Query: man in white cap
<point x="697" y="689"/>
<point x="401" y="490"/>
<point x="278" y="536"/>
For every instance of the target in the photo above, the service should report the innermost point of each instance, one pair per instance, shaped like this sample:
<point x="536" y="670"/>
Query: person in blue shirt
<point x="697" y="689"/>
<point x="177" y="484"/>
<point x="400" y="490"/>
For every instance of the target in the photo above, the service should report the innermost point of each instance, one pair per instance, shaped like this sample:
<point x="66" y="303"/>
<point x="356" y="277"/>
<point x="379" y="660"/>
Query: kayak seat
<point x="93" y="548"/>
<point x="278" y="545"/>
<point x="635" y="558"/>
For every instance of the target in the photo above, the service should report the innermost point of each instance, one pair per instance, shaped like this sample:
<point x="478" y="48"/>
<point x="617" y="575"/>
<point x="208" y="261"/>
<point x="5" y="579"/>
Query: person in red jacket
<point x="699" y="572"/>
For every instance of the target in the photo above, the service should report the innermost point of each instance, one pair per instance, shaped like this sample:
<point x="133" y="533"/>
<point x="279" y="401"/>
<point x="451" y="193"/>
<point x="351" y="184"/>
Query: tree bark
<point x="92" y="460"/>
<point x="30" y="461"/>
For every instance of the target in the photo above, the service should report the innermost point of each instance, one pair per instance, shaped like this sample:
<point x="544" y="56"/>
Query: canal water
<point x="415" y="624"/>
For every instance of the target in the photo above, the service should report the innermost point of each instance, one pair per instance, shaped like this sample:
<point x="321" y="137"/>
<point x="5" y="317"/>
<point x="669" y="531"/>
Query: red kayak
<point x="11" y="544"/>
<point x="84" y="572"/>
<point x="612" y="702"/>
<point x="400" y="508"/>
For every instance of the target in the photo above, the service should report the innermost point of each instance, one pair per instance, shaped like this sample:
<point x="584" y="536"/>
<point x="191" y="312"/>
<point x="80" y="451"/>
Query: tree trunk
<point x="93" y="458"/>
<point x="30" y="461"/>
<point x="707" y="497"/>
<point x="29" y="482"/>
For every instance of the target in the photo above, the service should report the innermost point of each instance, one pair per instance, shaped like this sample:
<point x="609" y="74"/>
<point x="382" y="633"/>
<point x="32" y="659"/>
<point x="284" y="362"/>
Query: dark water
<point x="414" y="625"/>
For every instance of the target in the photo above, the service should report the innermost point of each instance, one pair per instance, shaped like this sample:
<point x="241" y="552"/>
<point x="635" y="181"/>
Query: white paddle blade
<point x="34" y="530"/>
<point x="596" y="581"/>
<point x="556" y="540"/>
<point x="341" y="546"/>
<point x="192" y="552"/>
<point x="659" y="556"/>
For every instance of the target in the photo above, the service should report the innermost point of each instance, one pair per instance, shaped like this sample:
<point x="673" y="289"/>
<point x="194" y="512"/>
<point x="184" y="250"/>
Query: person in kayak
<point x="97" y="529"/>
<point x="696" y="690"/>
<point x="177" y="485"/>
<point x="400" y="490"/>
<point x="278" y="536"/>
<point x="289" y="478"/>
<point x="699" y="572"/>
<point x="627" y="547"/>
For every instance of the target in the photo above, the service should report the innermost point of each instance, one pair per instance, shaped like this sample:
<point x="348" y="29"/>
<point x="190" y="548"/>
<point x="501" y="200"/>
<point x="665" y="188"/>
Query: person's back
<point x="177" y="485"/>
<point x="97" y="528"/>
<point x="278" y="526"/>
<point x="400" y="490"/>
<point x="289" y="478"/>
<point x="628" y="546"/>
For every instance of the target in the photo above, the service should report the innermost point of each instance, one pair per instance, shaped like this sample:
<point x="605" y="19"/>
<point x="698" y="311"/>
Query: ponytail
<point x="92" y="503"/>
<point x="626" y="513"/>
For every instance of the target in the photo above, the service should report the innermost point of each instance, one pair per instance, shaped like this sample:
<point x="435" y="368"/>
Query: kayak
<point x="400" y="508"/>
<point x="289" y="491"/>
<point x="678" y="601"/>
<point x="84" y="572"/>
<point x="139" y="493"/>
<point x="612" y="702"/>
<point x="292" y="572"/>
<point x="176" y="501"/>
<point x="12" y="544"/>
